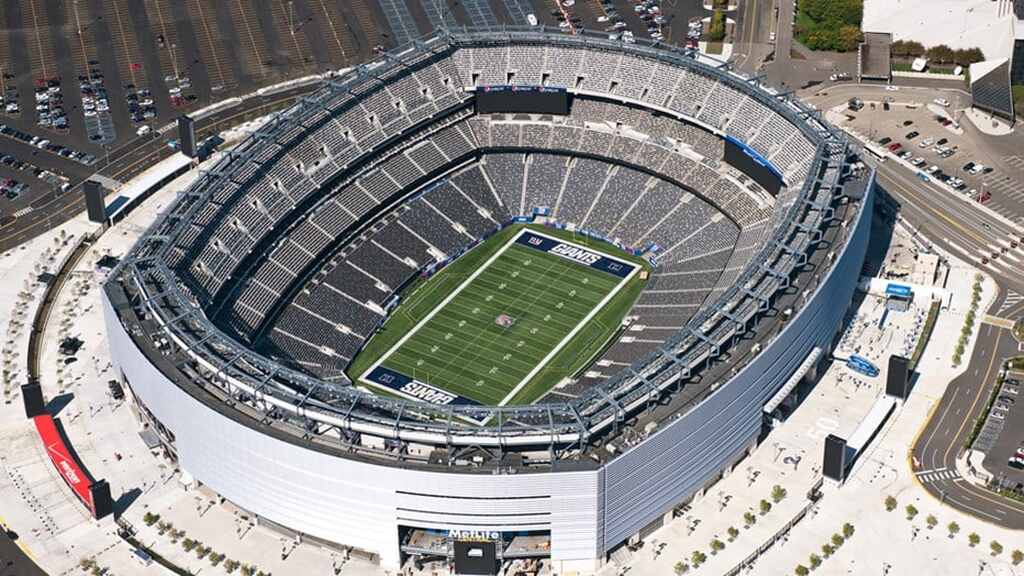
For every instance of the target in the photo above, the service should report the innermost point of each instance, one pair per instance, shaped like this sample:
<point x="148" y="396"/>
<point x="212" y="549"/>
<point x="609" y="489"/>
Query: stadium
<point x="499" y="294"/>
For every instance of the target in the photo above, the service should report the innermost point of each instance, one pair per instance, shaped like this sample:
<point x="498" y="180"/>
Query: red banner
<point x="67" y="466"/>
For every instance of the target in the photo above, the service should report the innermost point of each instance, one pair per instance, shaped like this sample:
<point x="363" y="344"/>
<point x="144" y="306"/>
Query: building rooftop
<point x="959" y="24"/>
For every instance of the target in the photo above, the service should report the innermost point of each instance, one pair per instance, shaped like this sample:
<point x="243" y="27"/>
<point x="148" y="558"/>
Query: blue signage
<point x="577" y="254"/>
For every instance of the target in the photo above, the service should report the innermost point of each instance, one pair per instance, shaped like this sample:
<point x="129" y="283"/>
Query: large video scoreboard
<point x="522" y="99"/>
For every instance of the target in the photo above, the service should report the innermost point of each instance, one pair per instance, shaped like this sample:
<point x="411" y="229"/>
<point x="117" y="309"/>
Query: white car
<point x="925" y="143"/>
<point x="532" y="19"/>
<point x="143" y="130"/>
<point x="891" y="88"/>
<point x="602" y="18"/>
<point x="942" y="102"/>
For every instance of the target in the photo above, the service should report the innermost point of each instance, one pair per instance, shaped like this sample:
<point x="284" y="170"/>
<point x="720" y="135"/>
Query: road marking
<point x="936" y="476"/>
<point x="23" y="211"/>
<point x="1011" y="300"/>
<point x="996" y="321"/>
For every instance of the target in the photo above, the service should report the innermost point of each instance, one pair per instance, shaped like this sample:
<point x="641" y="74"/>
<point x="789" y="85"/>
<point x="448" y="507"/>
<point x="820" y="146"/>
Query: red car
<point x="895" y="146"/>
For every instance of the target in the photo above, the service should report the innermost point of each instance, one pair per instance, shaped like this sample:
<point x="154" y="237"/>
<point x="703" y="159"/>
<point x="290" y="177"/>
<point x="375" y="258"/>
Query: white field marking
<point x="465" y="283"/>
<point x="593" y="311"/>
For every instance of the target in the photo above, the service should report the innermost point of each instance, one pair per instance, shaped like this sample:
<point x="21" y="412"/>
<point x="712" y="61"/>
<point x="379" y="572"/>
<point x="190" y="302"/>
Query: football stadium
<point x="498" y="294"/>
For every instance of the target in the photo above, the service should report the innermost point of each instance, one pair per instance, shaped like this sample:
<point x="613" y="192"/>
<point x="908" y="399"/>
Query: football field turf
<point x="489" y="335"/>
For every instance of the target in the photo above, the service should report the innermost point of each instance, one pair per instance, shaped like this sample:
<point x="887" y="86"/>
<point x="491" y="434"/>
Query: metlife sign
<point x="576" y="253"/>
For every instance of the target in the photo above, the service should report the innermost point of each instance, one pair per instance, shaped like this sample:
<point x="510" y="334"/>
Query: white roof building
<point x="959" y="24"/>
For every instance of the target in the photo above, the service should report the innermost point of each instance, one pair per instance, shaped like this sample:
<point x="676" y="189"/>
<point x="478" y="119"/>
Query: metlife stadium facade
<point x="336" y="463"/>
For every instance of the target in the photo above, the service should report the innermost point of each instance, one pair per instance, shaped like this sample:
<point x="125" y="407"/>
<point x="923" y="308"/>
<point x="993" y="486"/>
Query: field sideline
<point x="461" y="343"/>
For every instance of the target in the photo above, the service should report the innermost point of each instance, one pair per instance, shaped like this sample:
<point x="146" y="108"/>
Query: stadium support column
<point x="94" y="205"/>
<point x="32" y="395"/>
<point x="897" y="382"/>
<point x="187" y="135"/>
<point x="834" y="465"/>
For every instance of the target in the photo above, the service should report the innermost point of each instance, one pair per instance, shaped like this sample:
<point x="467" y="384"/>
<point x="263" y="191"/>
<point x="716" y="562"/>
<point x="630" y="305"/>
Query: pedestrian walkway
<point x="1011" y="300"/>
<point x="937" y="474"/>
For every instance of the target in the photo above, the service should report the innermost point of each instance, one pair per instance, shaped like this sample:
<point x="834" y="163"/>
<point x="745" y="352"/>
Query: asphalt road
<point x="952" y="421"/>
<point x="969" y="231"/>
<point x="963" y="229"/>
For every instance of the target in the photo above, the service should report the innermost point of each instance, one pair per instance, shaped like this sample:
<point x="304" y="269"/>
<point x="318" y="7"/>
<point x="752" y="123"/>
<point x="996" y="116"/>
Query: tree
<point x="1017" y="556"/>
<point x="890" y="503"/>
<point x="996" y="548"/>
<point x="231" y="565"/>
<point x="827" y="549"/>
<point x="733" y="533"/>
<point x="802" y="570"/>
<point x="188" y="544"/>
<point x="765" y="507"/>
<point x="932" y="521"/>
<point x="778" y="493"/>
<point x="681" y="568"/>
<point x="973" y="539"/>
<point x="749" y="518"/>
<point x="698" y="558"/>
<point x="953" y="528"/>
<point x="815" y="561"/>
<point x="716" y="32"/>
<point x="717" y="546"/>
<point x="911" y="511"/>
<point x="941" y="53"/>
<point x="847" y="530"/>
<point x="837" y="540"/>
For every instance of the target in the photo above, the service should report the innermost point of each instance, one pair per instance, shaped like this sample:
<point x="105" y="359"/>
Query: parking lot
<point x="923" y="135"/>
<point x="1002" y="437"/>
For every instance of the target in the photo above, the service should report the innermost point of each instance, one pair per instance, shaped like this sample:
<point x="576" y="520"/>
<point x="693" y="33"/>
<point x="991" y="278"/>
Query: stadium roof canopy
<point x="959" y="24"/>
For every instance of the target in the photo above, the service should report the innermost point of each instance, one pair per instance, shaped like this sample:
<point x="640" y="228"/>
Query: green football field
<point x="503" y="323"/>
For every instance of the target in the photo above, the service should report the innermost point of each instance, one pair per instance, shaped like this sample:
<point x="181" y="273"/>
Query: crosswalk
<point x="23" y="211"/>
<point x="937" y="474"/>
<point x="1007" y="194"/>
<point x="1011" y="300"/>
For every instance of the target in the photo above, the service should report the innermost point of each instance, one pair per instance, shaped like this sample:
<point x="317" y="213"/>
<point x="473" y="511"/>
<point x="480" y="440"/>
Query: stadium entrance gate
<point x="474" y="552"/>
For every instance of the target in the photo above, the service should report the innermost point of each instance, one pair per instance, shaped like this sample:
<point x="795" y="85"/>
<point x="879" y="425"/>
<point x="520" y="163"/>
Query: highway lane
<point x="125" y="162"/>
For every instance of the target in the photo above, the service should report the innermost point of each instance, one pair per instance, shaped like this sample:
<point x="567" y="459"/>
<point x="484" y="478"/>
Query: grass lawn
<point x="448" y="331"/>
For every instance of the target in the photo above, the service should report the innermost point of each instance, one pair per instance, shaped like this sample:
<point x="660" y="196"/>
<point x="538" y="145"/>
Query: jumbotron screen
<point x="747" y="160"/>
<point x="522" y="99"/>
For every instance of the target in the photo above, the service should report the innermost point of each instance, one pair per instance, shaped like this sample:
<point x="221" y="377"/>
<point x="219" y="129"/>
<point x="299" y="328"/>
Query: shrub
<point x="733" y="533"/>
<point x="681" y="567"/>
<point x="749" y="518"/>
<point x="778" y="493"/>
<point x="698" y="558"/>
<point x="953" y="528"/>
<point x="716" y="32"/>
<point x="765" y="506"/>
<point x="231" y="565"/>
<point x="996" y="548"/>
<point x="911" y="511"/>
<point x="802" y="570"/>
<point x="973" y="539"/>
<point x="149" y="518"/>
<point x="188" y="544"/>
<point x="815" y="561"/>
<point x="216" y="558"/>
<point x="717" y="545"/>
<point x="890" y="503"/>
<point x="932" y="521"/>
<point x="837" y="540"/>
<point x="827" y="549"/>
<point x="847" y="530"/>
<point x="1017" y="556"/>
